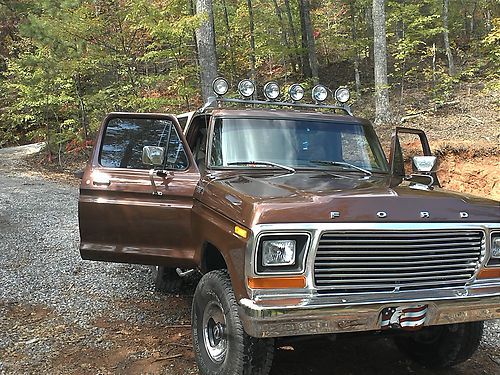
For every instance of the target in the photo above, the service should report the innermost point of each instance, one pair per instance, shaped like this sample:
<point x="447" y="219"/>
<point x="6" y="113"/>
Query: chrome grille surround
<point x="371" y="261"/>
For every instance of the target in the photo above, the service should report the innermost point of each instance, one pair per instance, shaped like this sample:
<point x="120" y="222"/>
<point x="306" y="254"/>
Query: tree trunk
<point x="252" y="41"/>
<point x="434" y="79"/>
<point x="369" y="31"/>
<point x="449" y="55"/>
<point x="357" y="77"/>
<point x="465" y="23"/>
<point x="79" y="94"/>
<point x="304" y="56"/>
<point x="205" y="41"/>
<point x="284" y="36"/>
<point x="229" y="41"/>
<point x="382" y="108"/>
<point x="292" y="29"/>
<point x="308" y="39"/>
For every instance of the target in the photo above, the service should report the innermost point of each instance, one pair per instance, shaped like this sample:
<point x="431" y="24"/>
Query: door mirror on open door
<point x="153" y="155"/>
<point x="424" y="164"/>
<point x="411" y="157"/>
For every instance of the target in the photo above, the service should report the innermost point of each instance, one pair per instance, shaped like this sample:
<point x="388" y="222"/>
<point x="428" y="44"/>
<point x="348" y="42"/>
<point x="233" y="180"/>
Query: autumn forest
<point x="65" y="64"/>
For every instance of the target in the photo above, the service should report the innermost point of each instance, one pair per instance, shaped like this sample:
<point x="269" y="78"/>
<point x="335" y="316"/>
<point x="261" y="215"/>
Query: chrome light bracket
<point x="214" y="102"/>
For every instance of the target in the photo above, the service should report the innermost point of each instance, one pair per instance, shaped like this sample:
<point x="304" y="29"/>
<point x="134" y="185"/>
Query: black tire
<point x="442" y="346"/>
<point x="223" y="347"/>
<point x="167" y="280"/>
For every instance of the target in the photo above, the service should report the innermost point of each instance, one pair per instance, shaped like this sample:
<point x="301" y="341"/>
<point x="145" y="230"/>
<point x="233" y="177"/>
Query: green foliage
<point x="492" y="45"/>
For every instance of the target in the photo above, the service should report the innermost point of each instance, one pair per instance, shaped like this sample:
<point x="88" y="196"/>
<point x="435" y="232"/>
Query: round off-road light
<point x="271" y="90"/>
<point x="319" y="93"/>
<point x="220" y="86"/>
<point x="342" y="95"/>
<point x="246" y="88"/>
<point x="296" y="92"/>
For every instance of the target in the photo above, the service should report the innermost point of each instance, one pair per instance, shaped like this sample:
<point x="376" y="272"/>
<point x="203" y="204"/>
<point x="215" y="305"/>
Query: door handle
<point x="101" y="183"/>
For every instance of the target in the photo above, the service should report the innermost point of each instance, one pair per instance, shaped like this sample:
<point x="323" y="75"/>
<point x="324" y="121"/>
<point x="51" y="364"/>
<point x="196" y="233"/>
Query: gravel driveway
<point x="62" y="315"/>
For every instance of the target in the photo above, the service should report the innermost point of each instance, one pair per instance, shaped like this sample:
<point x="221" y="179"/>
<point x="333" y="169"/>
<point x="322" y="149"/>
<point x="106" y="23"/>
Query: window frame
<point x="143" y="116"/>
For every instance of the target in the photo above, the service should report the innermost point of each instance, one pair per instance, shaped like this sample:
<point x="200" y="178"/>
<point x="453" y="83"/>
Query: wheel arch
<point x="212" y="258"/>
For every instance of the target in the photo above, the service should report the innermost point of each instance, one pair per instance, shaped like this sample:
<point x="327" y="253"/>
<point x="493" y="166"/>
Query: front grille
<point x="348" y="262"/>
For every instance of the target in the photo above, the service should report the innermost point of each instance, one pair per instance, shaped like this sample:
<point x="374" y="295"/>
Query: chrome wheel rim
<point x="214" y="331"/>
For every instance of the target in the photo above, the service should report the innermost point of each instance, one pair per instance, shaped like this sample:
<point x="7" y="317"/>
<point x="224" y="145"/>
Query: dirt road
<point x="62" y="315"/>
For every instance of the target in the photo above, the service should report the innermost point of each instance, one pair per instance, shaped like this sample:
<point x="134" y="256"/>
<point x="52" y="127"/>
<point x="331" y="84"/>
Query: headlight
<point x="296" y="92"/>
<point x="278" y="252"/>
<point x="246" y="88"/>
<point x="319" y="93"/>
<point x="495" y="249"/>
<point x="220" y="86"/>
<point x="283" y="253"/>
<point x="271" y="90"/>
<point x="342" y="95"/>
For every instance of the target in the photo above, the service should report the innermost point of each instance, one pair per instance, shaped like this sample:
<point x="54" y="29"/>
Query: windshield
<point x="297" y="143"/>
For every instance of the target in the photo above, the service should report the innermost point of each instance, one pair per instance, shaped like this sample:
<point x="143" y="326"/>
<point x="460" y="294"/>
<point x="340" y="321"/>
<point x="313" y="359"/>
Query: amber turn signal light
<point x="290" y="282"/>
<point x="242" y="232"/>
<point x="489" y="273"/>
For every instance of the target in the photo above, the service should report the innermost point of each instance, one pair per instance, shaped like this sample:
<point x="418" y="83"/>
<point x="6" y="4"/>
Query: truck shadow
<point x="358" y="355"/>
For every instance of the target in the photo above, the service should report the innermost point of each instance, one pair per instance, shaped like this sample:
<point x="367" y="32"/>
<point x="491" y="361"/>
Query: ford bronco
<point x="298" y="222"/>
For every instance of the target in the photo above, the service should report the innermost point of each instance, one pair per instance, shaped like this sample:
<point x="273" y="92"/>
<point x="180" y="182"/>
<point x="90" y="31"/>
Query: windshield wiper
<point x="267" y="163"/>
<point x="341" y="164"/>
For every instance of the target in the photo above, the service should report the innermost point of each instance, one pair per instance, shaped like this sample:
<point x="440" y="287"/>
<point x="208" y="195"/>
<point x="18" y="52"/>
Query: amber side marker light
<point x="277" y="282"/>
<point x="242" y="232"/>
<point x="489" y="273"/>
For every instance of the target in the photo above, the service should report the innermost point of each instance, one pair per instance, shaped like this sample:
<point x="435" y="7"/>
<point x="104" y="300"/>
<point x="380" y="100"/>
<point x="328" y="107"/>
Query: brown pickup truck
<point x="299" y="224"/>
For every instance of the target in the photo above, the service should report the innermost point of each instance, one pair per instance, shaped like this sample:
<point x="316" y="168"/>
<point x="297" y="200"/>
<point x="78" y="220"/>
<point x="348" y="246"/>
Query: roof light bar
<point x="272" y="91"/>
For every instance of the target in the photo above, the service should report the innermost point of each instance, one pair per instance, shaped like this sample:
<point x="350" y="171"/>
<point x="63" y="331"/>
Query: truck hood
<point x="314" y="196"/>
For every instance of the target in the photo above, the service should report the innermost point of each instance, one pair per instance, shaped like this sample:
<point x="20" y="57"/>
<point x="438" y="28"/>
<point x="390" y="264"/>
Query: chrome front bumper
<point x="332" y="314"/>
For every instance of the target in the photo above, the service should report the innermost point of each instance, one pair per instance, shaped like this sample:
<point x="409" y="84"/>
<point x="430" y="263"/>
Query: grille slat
<point x="398" y="250"/>
<point x="405" y="235"/>
<point x="469" y="254"/>
<point x="398" y="262"/>
<point x="405" y="286"/>
<point x="433" y="241"/>
<point x="367" y="245"/>
<point x="391" y="275"/>
<point x="405" y="268"/>
<point x="388" y="260"/>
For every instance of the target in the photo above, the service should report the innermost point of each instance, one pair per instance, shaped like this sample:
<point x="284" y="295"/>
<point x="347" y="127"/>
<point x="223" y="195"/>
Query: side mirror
<point x="424" y="164"/>
<point x="153" y="155"/>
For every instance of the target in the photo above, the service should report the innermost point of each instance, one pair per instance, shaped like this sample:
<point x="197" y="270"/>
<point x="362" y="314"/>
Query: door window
<point x="125" y="138"/>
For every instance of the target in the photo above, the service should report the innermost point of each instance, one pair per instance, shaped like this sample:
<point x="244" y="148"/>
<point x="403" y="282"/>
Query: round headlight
<point x="271" y="90"/>
<point x="246" y="88"/>
<point x="319" y="93"/>
<point x="342" y="95"/>
<point x="296" y="92"/>
<point x="220" y="86"/>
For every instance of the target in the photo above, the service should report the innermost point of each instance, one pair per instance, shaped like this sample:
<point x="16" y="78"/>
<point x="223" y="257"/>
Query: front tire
<point x="442" y="346"/>
<point x="221" y="345"/>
